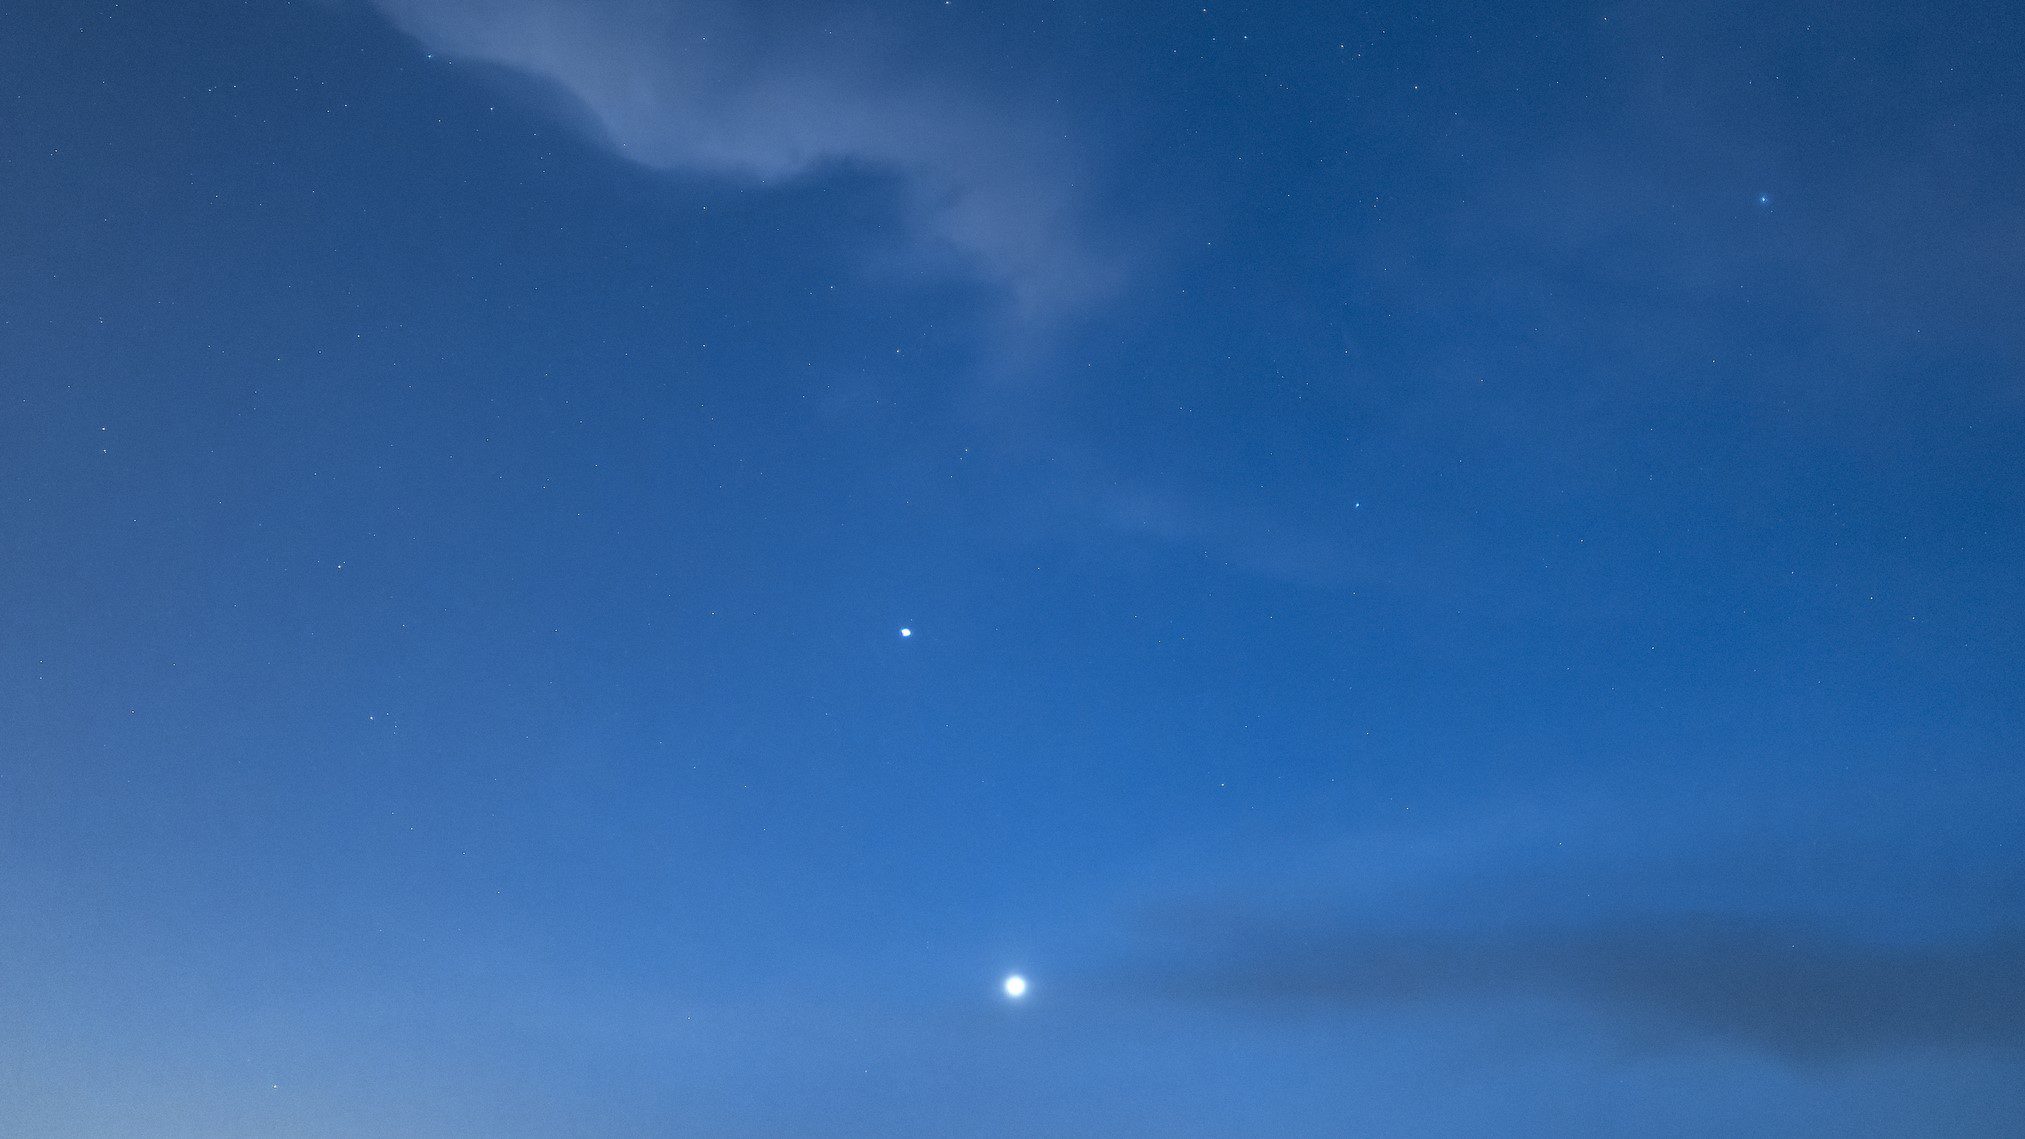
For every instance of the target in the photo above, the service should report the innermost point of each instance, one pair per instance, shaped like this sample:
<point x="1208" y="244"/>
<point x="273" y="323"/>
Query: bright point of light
<point x="1015" y="986"/>
<point x="906" y="632"/>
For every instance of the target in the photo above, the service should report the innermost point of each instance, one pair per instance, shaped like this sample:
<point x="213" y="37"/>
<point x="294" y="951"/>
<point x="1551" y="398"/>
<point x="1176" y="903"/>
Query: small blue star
<point x="1764" y="199"/>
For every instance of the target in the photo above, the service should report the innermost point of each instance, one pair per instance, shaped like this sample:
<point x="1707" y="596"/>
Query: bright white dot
<point x="1015" y="986"/>
<point x="906" y="632"/>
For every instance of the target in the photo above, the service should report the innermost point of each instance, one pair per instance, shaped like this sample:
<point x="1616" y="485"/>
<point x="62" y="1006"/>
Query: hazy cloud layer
<point x="768" y="94"/>
<point x="1705" y="906"/>
<point x="1796" y="992"/>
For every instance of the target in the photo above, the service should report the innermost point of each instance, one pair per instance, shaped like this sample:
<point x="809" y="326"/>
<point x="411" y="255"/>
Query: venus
<point x="1015" y="986"/>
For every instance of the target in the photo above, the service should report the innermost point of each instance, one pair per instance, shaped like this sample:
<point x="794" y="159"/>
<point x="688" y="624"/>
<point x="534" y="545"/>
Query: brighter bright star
<point x="906" y="632"/>
<point x="1015" y="986"/>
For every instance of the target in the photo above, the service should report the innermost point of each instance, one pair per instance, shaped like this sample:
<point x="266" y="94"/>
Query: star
<point x="1015" y="986"/>
<point x="906" y="632"/>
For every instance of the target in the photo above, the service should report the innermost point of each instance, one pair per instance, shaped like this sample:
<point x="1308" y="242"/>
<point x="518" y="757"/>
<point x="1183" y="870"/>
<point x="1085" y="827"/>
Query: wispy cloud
<point x="743" y="92"/>
<point x="1797" y="992"/>
<point x="1784" y="922"/>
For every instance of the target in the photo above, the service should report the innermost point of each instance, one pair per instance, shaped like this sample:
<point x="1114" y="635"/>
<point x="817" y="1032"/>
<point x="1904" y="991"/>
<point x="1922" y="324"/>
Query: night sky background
<point x="1464" y="567"/>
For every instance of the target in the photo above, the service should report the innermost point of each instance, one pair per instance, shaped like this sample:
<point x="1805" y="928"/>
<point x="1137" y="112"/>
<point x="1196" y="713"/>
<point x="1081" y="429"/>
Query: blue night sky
<point x="1463" y="564"/>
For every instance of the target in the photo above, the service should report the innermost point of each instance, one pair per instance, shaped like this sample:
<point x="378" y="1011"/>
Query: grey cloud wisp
<point x="744" y="92"/>
<point x="1793" y="992"/>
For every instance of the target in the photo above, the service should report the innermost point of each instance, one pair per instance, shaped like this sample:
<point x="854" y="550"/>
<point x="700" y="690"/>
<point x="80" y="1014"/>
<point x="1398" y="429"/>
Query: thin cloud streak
<point x="719" y="90"/>
<point x="1799" y="993"/>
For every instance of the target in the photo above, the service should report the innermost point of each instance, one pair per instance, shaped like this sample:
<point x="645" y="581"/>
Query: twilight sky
<point x="1463" y="565"/>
